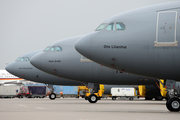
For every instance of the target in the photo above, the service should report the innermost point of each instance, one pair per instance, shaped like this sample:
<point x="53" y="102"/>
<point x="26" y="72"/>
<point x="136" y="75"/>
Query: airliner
<point x="8" y="78"/>
<point x="144" y="41"/>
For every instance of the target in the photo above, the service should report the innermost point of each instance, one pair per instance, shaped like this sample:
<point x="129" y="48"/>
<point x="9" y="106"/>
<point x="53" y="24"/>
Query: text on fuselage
<point x="115" y="46"/>
<point x="54" y="61"/>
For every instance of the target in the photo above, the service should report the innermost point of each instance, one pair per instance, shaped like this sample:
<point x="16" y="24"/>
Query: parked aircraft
<point x="7" y="78"/>
<point x="22" y="67"/>
<point x="143" y="41"/>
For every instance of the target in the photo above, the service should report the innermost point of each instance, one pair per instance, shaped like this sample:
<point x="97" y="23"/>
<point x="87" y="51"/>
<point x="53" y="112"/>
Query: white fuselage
<point x="6" y="77"/>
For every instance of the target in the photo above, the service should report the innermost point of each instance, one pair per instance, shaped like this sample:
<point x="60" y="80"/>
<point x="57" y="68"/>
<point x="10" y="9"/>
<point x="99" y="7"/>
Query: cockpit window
<point x="47" y="48"/>
<point x="102" y="26"/>
<point x="52" y="48"/>
<point x="120" y="26"/>
<point x="110" y="27"/>
<point x="22" y="59"/>
<point x="18" y="59"/>
<point x="26" y="59"/>
<point x="58" y="48"/>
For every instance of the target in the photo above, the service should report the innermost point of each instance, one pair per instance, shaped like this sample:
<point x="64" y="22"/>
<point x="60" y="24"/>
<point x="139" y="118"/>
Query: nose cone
<point x="10" y="68"/>
<point x="84" y="46"/>
<point x="36" y="61"/>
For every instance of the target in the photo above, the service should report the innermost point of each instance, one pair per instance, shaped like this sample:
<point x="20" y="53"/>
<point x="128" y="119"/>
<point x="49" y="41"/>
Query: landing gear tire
<point x="148" y="98"/>
<point x="92" y="98"/>
<point x="52" y="96"/>
<point x="159" y="98"/>
<point x="113" y="98"/>
<point x="173" y="104"/>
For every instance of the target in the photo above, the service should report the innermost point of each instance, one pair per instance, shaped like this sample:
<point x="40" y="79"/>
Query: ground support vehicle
<point x="9" y="91"/>
<point x="123" y="92"/>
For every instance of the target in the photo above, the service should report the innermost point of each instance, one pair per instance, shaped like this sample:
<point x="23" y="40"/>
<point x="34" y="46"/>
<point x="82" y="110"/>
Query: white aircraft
<point x="7" y="78"/>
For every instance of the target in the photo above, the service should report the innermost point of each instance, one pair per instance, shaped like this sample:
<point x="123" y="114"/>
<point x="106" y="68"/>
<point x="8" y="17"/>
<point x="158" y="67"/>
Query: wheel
<point x="159" y="98"/>
<point x="173" y="104"/>
<point x="131" y="98"/>
<point x="148" y="98"/>
<point x="113" y="98"/>
<point x="52" y="96"/>
<point x="92" y="98"/>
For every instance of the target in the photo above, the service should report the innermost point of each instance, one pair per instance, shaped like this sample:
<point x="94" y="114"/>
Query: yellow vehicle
<point x="92" y="98"/>
<point x="82" y="91"/>
<point x="85" y="92"/>
<point x="149" y="92"/>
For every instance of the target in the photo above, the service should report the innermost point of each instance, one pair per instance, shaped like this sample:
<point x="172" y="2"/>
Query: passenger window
<point x="18" y="59"/>
<point x="47" y="48"/>
<point x="58" y="48"/>
<point x="120" y="26"/>
<point x="22" y="59"/>
<point x="26" y="59"/>
<point x="100" y="27"/>
<point x="110" y="27"/>
<point x="52" y="49"/>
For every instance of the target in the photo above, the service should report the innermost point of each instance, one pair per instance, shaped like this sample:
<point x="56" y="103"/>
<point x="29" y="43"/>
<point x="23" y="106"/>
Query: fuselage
<point x="147" y="45"/>
<point x="68" y="63"/>
<point x="6" y="77"/>
<point x="23" y="68"/>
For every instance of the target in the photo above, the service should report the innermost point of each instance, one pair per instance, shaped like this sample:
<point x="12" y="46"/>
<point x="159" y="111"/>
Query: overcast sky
<point x="29" y="25"/>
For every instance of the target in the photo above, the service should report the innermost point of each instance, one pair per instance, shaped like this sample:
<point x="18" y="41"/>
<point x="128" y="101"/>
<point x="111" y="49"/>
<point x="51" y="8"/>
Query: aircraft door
<point x="166" y="28"/>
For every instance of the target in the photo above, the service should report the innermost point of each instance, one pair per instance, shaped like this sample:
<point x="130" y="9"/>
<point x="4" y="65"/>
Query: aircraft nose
<point x="36" y="61"/>
<point x="84" y="46"/>
<point x="10" y="68"/>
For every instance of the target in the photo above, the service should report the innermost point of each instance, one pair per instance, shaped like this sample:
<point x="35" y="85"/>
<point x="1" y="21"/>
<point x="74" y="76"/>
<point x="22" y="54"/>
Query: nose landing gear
<point x="173" y="104"/>
<point x="52" y="96"/>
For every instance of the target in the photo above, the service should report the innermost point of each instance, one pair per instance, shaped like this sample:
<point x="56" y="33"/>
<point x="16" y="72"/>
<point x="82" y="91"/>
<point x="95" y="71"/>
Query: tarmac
<point x="80" y="109"/>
